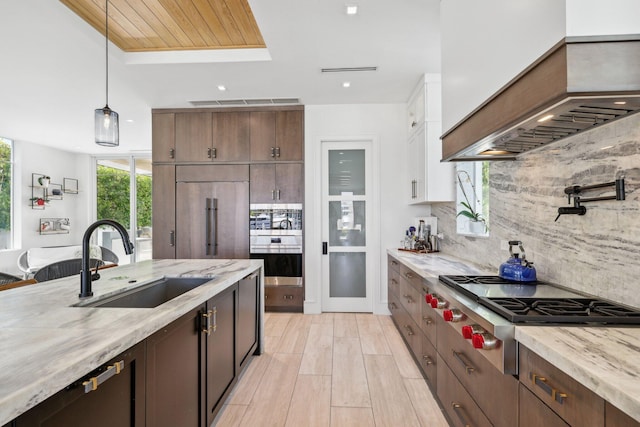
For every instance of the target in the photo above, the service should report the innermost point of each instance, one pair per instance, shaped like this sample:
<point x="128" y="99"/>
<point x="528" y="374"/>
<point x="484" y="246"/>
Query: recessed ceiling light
<point x="129" y="120"/>
<point x="346" y="84"/>
<point x="351" y="9"/>
<point x="620" y="102"/>
<point x="545" y="118"/>
<point x="222" y="88"/>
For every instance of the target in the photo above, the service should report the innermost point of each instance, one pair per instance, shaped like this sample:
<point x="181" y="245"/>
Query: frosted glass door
<point x="345" y="213"/>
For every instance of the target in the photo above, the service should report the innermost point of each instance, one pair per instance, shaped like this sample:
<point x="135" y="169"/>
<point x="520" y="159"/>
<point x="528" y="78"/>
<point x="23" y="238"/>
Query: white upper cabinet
<point x="429" y="179"/>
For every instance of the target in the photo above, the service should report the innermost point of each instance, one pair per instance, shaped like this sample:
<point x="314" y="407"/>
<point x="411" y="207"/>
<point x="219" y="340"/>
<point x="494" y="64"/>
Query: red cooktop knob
<point x="467" y="332"/>
<point x="428" y="298"/>
<point x="448" y="315"/>
<point x="477" y="340"/>
<point x="434" y="302"/>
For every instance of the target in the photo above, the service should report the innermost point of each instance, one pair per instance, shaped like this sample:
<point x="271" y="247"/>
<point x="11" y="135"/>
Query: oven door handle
<point x="211" y="225"/>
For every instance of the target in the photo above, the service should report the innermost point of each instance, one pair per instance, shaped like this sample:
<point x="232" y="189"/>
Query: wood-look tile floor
<point x="331" y="369"/>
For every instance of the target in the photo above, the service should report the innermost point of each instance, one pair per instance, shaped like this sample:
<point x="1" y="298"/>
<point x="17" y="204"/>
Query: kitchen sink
<point x="151" y="294"/>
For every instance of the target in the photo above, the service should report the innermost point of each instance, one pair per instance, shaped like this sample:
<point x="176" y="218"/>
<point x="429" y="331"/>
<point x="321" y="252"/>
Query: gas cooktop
<point x="540" y="302"/>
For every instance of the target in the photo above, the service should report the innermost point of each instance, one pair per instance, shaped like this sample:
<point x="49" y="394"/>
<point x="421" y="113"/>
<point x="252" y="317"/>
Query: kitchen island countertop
<point x="46" y="343"/>
<point x="606" y="360"/>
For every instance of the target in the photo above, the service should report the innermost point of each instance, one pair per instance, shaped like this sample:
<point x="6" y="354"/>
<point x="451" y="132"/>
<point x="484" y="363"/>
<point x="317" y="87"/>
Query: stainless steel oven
<point x="275" y="236"/>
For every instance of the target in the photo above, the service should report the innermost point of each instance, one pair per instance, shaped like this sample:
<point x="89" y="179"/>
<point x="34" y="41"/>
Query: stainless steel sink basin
<point x="151" y="294"/>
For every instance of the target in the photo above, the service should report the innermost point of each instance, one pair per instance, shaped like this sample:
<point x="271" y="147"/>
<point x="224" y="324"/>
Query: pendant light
<point x="106" y="120"/>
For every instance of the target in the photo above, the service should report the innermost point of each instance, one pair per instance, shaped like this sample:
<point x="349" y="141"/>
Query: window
<point x="127" y="201"/>
<point x="6" y="210"/>
<point x="472" y="206"/>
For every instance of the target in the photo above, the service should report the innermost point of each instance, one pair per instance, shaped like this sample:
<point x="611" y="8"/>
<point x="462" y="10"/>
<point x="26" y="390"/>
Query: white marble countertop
<point x="604" y="359"/>
<point x="46" y="343"/>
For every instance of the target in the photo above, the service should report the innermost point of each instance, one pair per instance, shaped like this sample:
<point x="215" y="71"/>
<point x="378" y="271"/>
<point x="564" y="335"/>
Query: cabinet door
<point x="248" y="308"/>
<point x="614" y="417"/>
<point x="164" y="211"/>
<point x="263" y="135"/>
<point x="118" y="401"/>
<point x="417" y="166"/>
<point x="534" y="413"/>
<point x="221" y="363"/>
<point x="289" y="179"/>
<point x="263" y="183"/>
<point x="231" y="136"/>
<point x="173" y="373"/>
<point x="163" y="137"/>
<point x="200" y="230"/>
<point x="289" y="135"/>
<point x="193" y="137"/>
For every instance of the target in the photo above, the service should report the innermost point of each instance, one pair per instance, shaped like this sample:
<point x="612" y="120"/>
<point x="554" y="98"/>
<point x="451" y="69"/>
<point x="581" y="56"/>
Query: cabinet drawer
<point x="394" y="307"/>
<point x="393" y="264"/>
<point x="283" y="298"/>
<point x="428" y="317"/>
<point x="457" y="403"/>
<point x="614" y="417"/>
<point x="411" y="276"/>
<point x="534" y="413"/>
<point x="410" y="300"/>
<point x="576" y="404"/>
<point x="427" y="359"/>
<point x="393" y="282"/>
<point x="496" y="393"/>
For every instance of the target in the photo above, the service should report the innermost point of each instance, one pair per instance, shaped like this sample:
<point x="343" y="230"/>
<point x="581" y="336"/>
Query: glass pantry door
<point x="346" y="260"/>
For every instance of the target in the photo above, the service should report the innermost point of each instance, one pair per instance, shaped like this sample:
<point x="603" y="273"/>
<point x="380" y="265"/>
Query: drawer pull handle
<point x="408" y="275"/>
<point x="427" y="360"/>
<point x="409" y="299"/>
<point x="457" y="408"/>
<point x="409" y="330"/>
<point x="467" y="367"/>
<point x="393" y="306"/>
<point x="288" y="297"/>
<point x="428" y="320"/>
<point x="208" y="326"/>
<point x="394" y="262"/>
<point x="394" y="281"/>
<point x="542" y="383"/>
<point x="172" y="153"/>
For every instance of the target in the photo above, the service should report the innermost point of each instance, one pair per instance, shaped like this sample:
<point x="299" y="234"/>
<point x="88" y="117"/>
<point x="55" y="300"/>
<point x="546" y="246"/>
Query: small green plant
<point x="469" y="211"/>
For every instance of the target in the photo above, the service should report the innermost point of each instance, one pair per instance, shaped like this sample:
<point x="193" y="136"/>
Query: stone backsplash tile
<point x="599" y="252"/>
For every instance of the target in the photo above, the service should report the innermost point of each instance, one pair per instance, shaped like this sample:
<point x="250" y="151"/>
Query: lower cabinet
<point x="248" y="309"/>
<point x="112" y="395"/>
<point x="284" y="298"/>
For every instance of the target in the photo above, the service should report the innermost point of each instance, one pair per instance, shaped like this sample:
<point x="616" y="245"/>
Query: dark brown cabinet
<point x="164" y="211"/>
<point x="277" y="135"/>
<point x="283" y="298"/>
<point x="277" y="183"/>
<point x="117" y="398"/>
<point x="164" y="138"/>
<point x="231" y="137"/>
<point x="173" y="373"/>
<point x="248" y="309"/>
<point x="193" y="137"/>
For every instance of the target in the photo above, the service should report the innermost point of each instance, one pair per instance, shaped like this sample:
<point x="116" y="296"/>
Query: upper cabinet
<point x="193" y="137"/>
<point x="277" y="135"/>
<point x="163" y="127"/>
<point x="429" y="179"/>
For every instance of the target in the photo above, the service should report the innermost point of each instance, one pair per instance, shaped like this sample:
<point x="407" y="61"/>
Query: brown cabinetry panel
<point x="614" y="417"/>
<point x="248" y="308"/>
<point x="576" y="404"/>
<point x="163" y="134"/>
<point x="173" y="373"/>
<point x="283" y="298"/>
<point x="118" y="401"/>
<point x="277" y="183"/>
<point x="456" y="401"/>
<point x="427" y="359"/>
<point x="231" y="137"/>
<point x="164" y="211"/>
<point x="534" y="413"/>
<point x="263" y="135"/>
<point x="289" y="135"/>
<point x="193" y="137"/>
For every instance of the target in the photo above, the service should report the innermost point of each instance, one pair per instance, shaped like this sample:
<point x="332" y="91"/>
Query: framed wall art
<point x="55" y="225"/>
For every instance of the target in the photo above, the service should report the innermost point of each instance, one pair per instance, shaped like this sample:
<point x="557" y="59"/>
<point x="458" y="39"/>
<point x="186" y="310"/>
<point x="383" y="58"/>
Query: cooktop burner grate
<point x="480" y="280"/>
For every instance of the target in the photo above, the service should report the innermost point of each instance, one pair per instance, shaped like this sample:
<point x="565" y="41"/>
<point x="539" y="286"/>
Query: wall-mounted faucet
<point x="575" y="191"/>
<point x="85" y="274"/>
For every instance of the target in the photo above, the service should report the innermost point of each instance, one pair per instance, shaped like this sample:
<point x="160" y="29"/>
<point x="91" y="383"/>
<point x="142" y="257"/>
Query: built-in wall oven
<point x="275" y="233"/>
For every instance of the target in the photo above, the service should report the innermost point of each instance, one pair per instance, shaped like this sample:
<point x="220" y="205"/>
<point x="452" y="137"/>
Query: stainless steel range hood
<point x="581" y="83"/>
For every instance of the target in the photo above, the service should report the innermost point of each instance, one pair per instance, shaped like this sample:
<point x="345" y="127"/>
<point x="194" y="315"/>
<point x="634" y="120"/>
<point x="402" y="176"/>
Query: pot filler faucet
<point x="85" y="274"/>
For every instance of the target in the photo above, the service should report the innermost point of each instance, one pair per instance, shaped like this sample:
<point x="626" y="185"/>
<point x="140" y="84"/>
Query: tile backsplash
<point x="599" y="252"/>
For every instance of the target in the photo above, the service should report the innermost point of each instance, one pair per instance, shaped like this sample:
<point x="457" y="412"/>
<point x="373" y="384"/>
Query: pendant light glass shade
<point x="107" y="127"/>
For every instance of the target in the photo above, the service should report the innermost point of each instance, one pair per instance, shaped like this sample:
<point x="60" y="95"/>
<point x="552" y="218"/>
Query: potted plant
<point x="44" y="181"/>
<point x="38" y="201"/>
<point x="468" y="210"/>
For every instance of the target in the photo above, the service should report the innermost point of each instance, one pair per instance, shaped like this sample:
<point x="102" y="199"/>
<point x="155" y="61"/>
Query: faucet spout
<point x="85" y="274"/>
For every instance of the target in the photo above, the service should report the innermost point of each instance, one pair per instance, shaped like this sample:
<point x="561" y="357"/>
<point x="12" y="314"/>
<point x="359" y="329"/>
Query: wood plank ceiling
<point x="164" y="25"/>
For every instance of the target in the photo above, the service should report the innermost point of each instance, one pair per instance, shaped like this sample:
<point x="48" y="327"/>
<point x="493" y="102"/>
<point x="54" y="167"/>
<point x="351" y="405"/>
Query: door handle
<point x="211" y="227"/>
<point x="172" y="238"/>
<point x="325" y="249"/>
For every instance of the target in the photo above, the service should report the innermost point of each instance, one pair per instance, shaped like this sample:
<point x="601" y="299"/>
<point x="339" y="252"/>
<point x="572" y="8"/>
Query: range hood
<point x="581" y="83"/>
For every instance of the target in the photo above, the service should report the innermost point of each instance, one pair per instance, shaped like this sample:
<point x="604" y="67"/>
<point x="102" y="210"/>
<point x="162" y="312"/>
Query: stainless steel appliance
<point x="485" y="310"/>
<point x="275" y="236"/>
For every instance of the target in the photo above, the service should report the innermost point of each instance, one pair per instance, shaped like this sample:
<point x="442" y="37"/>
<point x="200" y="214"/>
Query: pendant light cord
<point x="106" y="24"/>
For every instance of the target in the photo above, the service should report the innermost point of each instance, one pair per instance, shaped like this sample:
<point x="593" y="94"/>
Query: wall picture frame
<point x="70" y="185"/>
<point x="55" y="225"/>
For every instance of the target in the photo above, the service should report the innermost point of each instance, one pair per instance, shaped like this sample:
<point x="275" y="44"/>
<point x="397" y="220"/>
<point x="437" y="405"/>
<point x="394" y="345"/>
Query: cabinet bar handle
<point x="207" y="322"/>
<point x="408" y="275"/>
<point x="457" y="408"/>
<point x="542" y="383"/>
<point x="467" y="367"/>
<point x="393" y="306"/>
<point x="409" y="330"/>
<point x="277" y="194"/>
<point x="428" y="320"/>
<point x="277" y="151"/>
<point x="273" y="194"/>
<point x="214" y="152"/>
<point x="92" y="383"/>
<point x="394" y="281"/>
<point x="409" y="299"/>
<point x="172" y="153"/>
<point x="215" y="319"/>
<point x="209" y="153"/>
<point x="287" y="296"/>
<point x="427" y="360"/>
<point x="273" y="151"/>
<point x="394" y="262"/>
<point x="172" y="238"/>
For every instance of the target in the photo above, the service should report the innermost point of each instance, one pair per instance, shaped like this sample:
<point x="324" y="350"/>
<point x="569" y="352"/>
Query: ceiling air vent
<point x="347" y="69"/>
<point x="240" y="102"/>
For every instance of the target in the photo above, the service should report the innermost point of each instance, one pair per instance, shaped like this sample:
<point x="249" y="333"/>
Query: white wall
<point x="594" y="17"/>
<point x="34" y="158"/>
<point x="386" y="125"/>
<point x="487" y="43"/>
